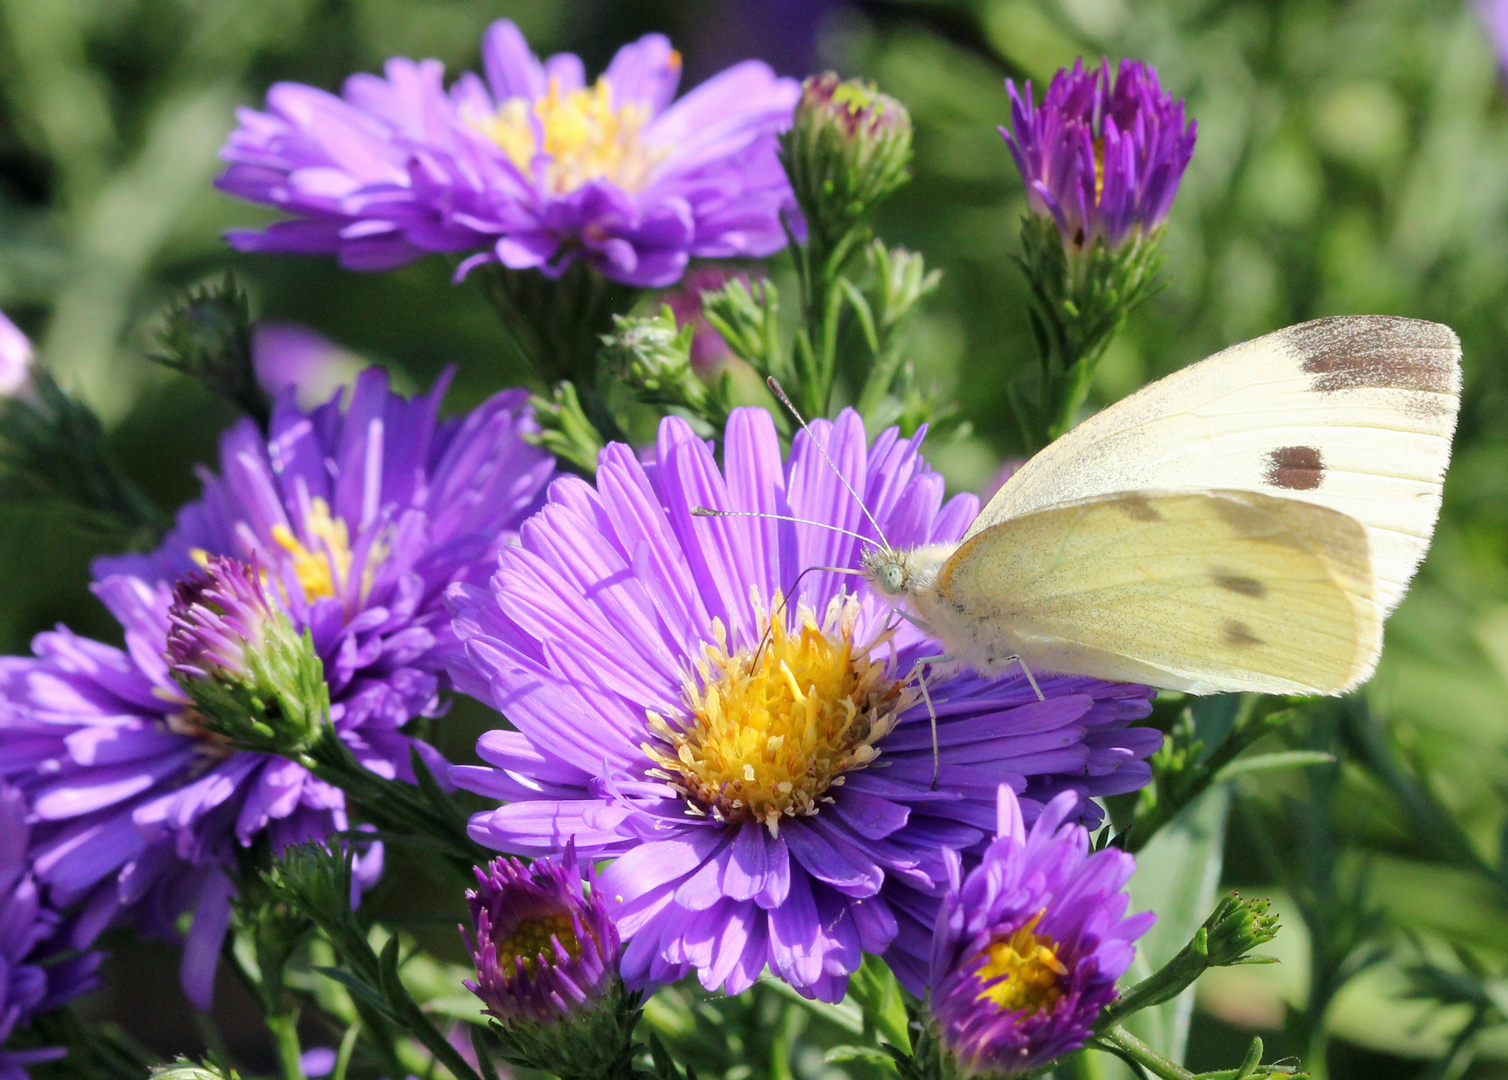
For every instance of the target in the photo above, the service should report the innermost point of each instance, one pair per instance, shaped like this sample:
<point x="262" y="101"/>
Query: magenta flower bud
<point x="1101" y="156"/>
<point x="544" y="946"/>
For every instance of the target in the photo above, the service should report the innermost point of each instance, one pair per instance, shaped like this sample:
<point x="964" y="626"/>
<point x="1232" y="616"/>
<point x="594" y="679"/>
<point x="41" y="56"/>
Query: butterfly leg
<point x="921" y="682"/>
<point x="1028" y="673"/>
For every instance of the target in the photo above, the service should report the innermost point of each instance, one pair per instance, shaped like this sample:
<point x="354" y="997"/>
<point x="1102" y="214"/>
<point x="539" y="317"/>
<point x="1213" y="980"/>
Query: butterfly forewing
<point x="1352" y="413"/>
<point x="1200" y="591"/>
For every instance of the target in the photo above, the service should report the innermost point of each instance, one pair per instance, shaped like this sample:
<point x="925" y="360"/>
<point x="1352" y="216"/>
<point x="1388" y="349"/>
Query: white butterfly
<point x="1246" y="523"/>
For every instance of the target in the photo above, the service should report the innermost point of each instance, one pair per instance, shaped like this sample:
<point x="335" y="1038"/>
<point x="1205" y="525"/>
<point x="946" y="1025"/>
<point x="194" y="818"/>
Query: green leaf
<point x="868" y="1054"/>
<point x="1281" y="759"/>
<point x="360" y="988"/>
<point x="877" y="993"/>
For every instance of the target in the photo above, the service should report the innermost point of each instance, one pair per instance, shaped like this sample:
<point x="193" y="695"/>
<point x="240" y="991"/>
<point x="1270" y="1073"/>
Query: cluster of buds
<point x="256" y="680"/>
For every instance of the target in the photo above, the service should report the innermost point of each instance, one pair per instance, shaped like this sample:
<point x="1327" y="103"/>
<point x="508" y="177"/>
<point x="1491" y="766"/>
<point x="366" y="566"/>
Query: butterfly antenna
<point x="707" y="511"/>
<point x="780" y="395"/>
<point x="785" y="599"/>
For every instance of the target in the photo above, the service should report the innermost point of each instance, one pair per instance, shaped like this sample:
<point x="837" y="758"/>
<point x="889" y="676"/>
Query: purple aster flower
<point x="287" y="355"/>
<point x="529" y="166"/>
<point x="543" y="944"/>
<point x="35" y="973"/>
<point x="1029" y="944"/>
<point x="1102" y="157"/>
<point x="357" y="516"/>
<point x="15" y="357"/>
<point x="763" y="771"/>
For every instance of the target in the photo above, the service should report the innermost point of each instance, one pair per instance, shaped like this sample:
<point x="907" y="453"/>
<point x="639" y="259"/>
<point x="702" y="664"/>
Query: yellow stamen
<point x="532" y="937"/>
<point x="1028" y="969"/>
<point x="772" y="728"/>
<point x="324" y="570"/>
<point x="582" y="134"/>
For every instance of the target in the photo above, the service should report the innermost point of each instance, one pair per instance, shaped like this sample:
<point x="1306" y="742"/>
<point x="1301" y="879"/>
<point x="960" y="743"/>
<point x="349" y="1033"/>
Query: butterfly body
<point x="1244" y="524"/>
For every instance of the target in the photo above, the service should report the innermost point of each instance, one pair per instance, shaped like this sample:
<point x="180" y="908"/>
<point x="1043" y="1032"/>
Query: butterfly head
<point x="887" y="570"/>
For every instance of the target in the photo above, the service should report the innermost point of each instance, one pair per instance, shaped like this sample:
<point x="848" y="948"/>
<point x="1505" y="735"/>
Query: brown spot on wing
<point x="1138" y="508"/>
<point x="1236" y="583"/>
<point x="1295" y="468"/>
<point x="1377" y="352"/>
<point x="1238" y="633"/>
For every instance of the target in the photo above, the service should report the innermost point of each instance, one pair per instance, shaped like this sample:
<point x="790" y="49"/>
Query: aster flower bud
<point x="546" y="957"/>
<point x="256" y="680"/>
<point x="1027" y="947"/>
<point x="1226" y="939"/>
<point x="1101" y="158"/>
<point x="653" y="356"/>
<point x="207" y="334"/>
<point x="847" y="150"/>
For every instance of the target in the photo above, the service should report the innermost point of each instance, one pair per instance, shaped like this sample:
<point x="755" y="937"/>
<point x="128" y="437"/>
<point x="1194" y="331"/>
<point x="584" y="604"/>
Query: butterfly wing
<point x="1199" y="591"/>
<point x="1352" y="413"/>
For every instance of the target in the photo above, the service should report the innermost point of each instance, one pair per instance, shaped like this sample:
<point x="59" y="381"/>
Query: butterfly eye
<point x="894" y="578"/>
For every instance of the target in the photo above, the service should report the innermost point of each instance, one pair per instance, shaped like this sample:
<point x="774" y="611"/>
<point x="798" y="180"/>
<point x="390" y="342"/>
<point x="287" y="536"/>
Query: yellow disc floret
<point x="530" y="938"/>
<point x="323" y="567"/>
<point x="1026" y="971"/>
<point x="770" y="729"/>
<point x="584" y="135"/>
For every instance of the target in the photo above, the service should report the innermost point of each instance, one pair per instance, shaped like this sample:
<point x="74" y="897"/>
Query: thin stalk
<point x="1121" y="1042"/>
<point x="284" y="1028"/>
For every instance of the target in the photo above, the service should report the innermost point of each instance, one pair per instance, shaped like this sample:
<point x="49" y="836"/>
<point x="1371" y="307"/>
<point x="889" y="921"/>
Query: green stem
<point x="1249" y="727"/>
<point x="347" y="1049"/>
<point x="284" y="1028"/>
<point x="1126" y="1045"/>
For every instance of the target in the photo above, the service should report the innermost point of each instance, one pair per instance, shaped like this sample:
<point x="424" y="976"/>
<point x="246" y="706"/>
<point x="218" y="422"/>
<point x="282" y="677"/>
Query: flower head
<point x="1101" y="156"/>
<point x="542" y="941"/>
<point x="1028" y="945"/>
<point x="528" y="166"/>
<point x="35" y="974"/>
<point x="743" y="736"/>
<point x="345" y="523"/>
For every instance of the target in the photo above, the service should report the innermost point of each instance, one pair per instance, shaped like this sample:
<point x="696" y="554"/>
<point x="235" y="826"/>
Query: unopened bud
<point x="848" y="149"/>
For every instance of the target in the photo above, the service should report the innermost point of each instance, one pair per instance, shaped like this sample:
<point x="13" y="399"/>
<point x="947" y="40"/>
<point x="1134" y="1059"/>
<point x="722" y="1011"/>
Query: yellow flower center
<point x="772" y="728"/>
<point x="1029" y="972"/>
<point x="532" y="937"/>
<point x="324" y="567"/>
<point x="582" y="134"/>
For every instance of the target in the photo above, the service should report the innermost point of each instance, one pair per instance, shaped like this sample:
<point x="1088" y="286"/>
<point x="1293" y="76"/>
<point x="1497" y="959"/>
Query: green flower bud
<point x="847" y="150"/>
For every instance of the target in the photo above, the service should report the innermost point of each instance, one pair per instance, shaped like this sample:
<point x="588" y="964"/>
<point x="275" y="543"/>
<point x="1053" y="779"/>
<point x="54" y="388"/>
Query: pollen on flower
<point x="771" y="728"/>
<point x="325" y="570"/>
<point x="532" y="938"/>
<point x="581" y="133"/>
<point x="1023" y="972"/>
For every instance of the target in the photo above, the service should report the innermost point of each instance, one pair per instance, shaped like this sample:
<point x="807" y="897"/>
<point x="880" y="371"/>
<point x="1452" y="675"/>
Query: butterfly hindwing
<point x="1202" y="591"/>
<point x="1351" y="413"/>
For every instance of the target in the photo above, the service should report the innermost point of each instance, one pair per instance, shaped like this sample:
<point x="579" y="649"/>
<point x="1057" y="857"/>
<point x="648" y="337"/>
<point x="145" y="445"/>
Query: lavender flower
<point x="543" y="944"/>
<point x="357" y="516"/>
<point x="1494" y="15"/>
<point x="287" y="355"/>
<point x="1029" y="944"/>
<point x="529" y="166"/>
<point x="1102" y="157"/>
<point x="34" y="976"/>
<point x="15" y="357"/>
<point x="672" y="711"/>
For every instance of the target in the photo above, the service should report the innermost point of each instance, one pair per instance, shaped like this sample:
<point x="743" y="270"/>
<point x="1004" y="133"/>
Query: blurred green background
<point x="1352" y="157"/>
